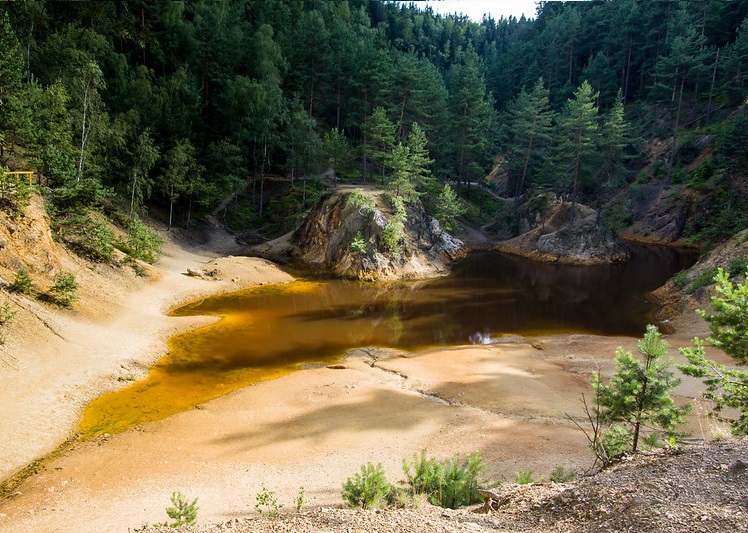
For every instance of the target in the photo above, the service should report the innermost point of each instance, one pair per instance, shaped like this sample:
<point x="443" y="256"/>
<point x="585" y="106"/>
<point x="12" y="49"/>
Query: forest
<point x="237" y="107"/>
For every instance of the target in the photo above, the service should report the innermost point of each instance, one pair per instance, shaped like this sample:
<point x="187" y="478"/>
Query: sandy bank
<point x="313" y="428"/>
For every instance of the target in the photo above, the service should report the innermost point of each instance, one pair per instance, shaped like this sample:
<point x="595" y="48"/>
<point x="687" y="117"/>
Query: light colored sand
<point x="313" y="428"/>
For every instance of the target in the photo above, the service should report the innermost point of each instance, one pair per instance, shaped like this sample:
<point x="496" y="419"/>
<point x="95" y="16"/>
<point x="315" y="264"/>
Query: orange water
<point x="269" y="331"/>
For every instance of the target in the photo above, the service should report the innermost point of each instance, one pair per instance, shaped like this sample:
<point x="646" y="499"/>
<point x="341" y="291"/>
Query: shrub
<point x="183" y="512"/>
<point x="560" y="475"/>
<point x="391" y="237"/>
<point x="87" y="237"/>
<point x="142" y="242"/>
<point x="680" y="279"/>
<point x="450" y="483"/>
<point x="14" y="191"/>
<point x="361" y="201"/>
<point x="524" y="477"/>
<point x="22" y="283"/>
<point x="368" y="489"/>
<point x="702" y="279"/>
<point x="6" y="315"/>
<point x="65" y="290"/>
<point x="267" y="504"/>
<point x="358" y="244"/>
<point x="300" y="499"/>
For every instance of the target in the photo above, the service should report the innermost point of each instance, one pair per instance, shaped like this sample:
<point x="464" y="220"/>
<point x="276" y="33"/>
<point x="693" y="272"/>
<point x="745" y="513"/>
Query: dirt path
<point x="313" y="428"/>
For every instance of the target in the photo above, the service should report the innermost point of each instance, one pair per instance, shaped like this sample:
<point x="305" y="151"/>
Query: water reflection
<point x="267" y="331"/>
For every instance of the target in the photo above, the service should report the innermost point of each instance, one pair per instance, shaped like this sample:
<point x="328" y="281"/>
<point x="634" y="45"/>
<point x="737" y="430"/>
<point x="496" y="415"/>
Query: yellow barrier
<point x="29" y="173"/>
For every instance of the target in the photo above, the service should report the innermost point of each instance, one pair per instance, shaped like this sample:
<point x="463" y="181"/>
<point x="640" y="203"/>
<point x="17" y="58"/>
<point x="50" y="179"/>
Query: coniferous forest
<point x="186" y="107"/>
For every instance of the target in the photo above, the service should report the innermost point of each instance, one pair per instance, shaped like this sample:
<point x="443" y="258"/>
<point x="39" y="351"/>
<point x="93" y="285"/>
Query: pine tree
<point x="578" y="141"/>
<point x="381" y="133"/>
<point x="638" y="393"/>
<point x="531" y="118"/>
<point x="615" y="137"/>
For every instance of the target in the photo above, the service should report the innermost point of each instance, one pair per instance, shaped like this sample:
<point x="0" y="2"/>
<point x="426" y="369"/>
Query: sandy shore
<point x="310" y="429"/>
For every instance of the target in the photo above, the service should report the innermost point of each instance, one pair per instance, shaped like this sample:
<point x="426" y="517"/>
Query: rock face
<point x="576" y="237"/>
<point x="328" y="232"/>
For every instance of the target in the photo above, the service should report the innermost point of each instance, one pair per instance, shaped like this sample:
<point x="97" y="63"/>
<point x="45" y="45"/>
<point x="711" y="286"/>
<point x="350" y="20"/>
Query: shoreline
<point x="311" y="428"/>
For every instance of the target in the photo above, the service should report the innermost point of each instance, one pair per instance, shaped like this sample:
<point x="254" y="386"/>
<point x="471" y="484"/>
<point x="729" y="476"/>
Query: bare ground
<point x="313" y="428"/>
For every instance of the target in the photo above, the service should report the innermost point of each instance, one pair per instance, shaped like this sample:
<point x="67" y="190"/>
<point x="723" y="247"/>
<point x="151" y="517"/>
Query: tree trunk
<point x="675" y="130"/>
<point x="628" y="73"/>
<point x="132" y="195"/>
<point x="171" y="205"/>
<point x="711" y="89"/>
<point x="84" y="133"/>
<point x="527" y="161"/>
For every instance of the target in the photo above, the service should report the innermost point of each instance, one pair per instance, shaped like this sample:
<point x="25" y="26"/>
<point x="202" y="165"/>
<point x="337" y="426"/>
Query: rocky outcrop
<point x="571" y="234"/>
<point x="327" y="235"/>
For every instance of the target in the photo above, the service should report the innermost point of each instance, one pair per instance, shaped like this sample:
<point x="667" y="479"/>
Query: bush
<point x="142" y="242"/>
<point x="391" y="237"/>
<point x="361" y="201"/>
<point x="358" y="244"/>
<point x="702" y="279"/>
<point x="680" y="279"/>
<point x="22" y="283"/>
<point x="524" y="477"/>
<point x="65" y="290"/>
<point x="6" y="315"/>
<point x="14" y="191"/>
<point x="450" y="483"/>
<point x="87" y="237"/>
<point x="267" y="504"/>
<point x="369" y="489"/>
<point x="560" y="475"/>
<point x="183" y="513"/>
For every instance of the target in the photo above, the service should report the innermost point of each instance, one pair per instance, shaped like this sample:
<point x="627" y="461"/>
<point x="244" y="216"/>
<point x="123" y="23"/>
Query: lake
<point x="269" y="331"/>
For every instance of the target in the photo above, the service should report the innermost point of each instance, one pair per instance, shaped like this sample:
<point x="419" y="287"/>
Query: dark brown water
<point x="268" y="331"/>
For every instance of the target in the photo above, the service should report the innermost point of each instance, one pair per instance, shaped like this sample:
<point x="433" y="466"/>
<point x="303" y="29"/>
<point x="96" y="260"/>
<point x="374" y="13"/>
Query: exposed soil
<point x="313" y="428"/>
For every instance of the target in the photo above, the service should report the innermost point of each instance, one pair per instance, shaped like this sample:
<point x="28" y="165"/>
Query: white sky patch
<point x="475" y="9"/>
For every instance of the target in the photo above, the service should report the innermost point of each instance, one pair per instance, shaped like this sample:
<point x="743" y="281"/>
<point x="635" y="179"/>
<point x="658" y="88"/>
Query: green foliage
<point x="15" y="191"/>
<point x="392" y="236"/>
<point x="451" y="483"/>
<point x="86" y="236"/>
<point x="611" y="443"/>
<point x="65" y="289"/>
<point x="448" y="208"/>
<point x="638" y="393"/>
<point x="680" y="279"/>
<point x="142" y="242"/>
<point x="358" y="245"/>
<point x="524" y="477"/>
<point x="368" y="489"/>
<point x="21" y="283"/>
<point x="729" y="323"/>
<point x="6" y="315"/>
<point x="358" y="199"/>
<point x="183" y="512"/>
<point x="267" y="503"/>
<point x="561" y="475"/>
<point x="300" y="499"/>
<point x="702" y="279"/>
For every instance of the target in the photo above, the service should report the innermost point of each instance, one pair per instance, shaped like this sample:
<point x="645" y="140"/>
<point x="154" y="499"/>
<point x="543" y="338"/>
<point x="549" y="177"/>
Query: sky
<point x="474" y="9"/>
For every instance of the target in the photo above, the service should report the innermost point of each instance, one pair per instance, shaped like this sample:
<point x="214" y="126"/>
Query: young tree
<point x="335" y="146"/>
<point x="638" y="393"/>
<point x="577" y="144"/>
<point x="180" y="165"/>
<point x="729" y="327"/>
<point x="145" y="156"/>
<point x="382" y="138"/>
<point x="448" y="208"/>
<point x="614" y="138"/>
